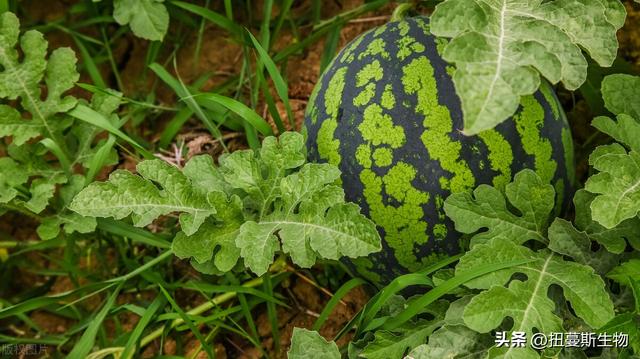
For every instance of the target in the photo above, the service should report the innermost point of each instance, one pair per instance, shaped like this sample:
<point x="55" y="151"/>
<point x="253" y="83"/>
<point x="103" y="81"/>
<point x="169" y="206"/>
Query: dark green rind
<point x="386" y="113"/>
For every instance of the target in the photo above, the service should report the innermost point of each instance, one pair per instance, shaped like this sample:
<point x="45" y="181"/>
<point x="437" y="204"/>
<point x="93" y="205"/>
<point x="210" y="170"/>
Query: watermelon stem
<point x="400" y="12"/>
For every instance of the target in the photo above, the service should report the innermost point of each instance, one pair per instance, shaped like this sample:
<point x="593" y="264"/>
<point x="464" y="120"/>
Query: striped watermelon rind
<point x="386" y="113"/>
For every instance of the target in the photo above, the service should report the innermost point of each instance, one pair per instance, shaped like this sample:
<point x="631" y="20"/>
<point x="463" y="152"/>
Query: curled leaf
<point x="500" y="49"/>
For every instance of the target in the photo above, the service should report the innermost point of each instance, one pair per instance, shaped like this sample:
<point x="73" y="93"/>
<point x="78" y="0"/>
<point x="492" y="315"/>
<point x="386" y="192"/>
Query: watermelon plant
<point x="49" y="149"/>
<point x="460" y="179"/>
<point x="249" y="207"/>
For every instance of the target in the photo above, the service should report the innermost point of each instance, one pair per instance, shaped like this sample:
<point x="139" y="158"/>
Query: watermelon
<point x="387" y="114"/>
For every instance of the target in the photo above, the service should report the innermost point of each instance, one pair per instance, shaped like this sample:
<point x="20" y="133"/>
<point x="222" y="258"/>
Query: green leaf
<point x="302" y="213"/>
<point x="161" y="189"/>
<point x="524" y="297"/>
<point x="251" y="206"/>
<point x="565" y="239"/>
<point x="220" y="234"/>
<point x="11" y="176"/>
<point x="287" y="152"/>
<point x="456" y="341"/>
<point x="617" y="184"/>
<point x="621" y="93"/>
<point x="500" y="49"/>
<point x="21" y="77"/>
<point x="307" y="344"/>
<point x="628" y="323"/>
<point x="343" y="231"/>
<point x="71" y="222"/>
<point x="49" y="228"/>
<point x="41" y="190"/>
<point x="612" y="239"/>
<point x="84" y="134"/>
<point x="626" y="272"/>
<point x="204" y="175"/>
<point x="386" y="344"/>
<point x="488" y="209"/>
<point x="15" y="172"/>
<point x="306" y="227"/>
<point x="625" y="130"/>
<point x="526" y="301"/>
<point x="148" y="19"/>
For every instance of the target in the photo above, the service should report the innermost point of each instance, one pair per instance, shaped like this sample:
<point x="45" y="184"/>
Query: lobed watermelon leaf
<point x="250" y="206"/>
<point x="487" y="208"/>
<point x="621" y="93"/>
<point x="524" y="300"/>
<point x="23" y="164"/>
<point x="309" y="344"/>
<point x="612" y="239"/>
<point x="21" y="78"/>
<point x="215" y="240"/>
<point x="148" y="19"/>
<point x="452" y="341"/>
<point x="500" y="49"/>
<point x="395" y="344"/>
<point x="617" y="183"/>
<point x="33" y="105"/>
<point x="160" y="189"/>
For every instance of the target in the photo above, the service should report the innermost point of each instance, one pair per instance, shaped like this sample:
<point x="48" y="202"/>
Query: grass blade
<point x="393" y="288"/>
<point x="86" y="342"/>
<point x="271" y="104"/>
<point x="41" y="302"/>
<point x="246" y="310"/>
<point x="444" y="288"/>
<point x="96" y="162"/>
<point x="281" y="86"/>
<point x="130" y="347"/>
<point x="400" y="283"/>
<point x="173" y="127"/>
<point x="144" y="267"/>
<point x="272" y="312"/>
<point x="220" y="20"/>
<point x="89" y="64"/>
<point x="88" y="115"/>
<point x="52" y="146"/>
<point x="228" y="9"/>
<point x="325" y="26"/>
<point x="335" y="299"/>
<point x="330" y="47"/>
<point x="140" y="235"/>
<point x="186" y="320"/>
<point x="183" y="92"/>
<point x="196" y="52"/>
<point x="212" y="288"/>
<point x="241" y="110"/>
